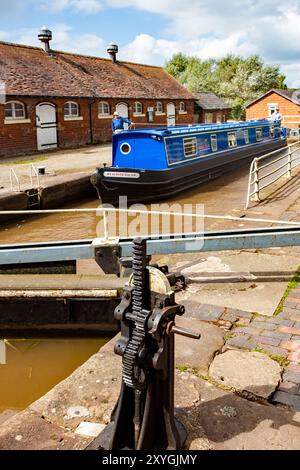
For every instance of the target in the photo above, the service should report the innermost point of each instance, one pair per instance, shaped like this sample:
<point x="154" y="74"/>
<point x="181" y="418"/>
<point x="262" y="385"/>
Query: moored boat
<point x="153" y="164"/>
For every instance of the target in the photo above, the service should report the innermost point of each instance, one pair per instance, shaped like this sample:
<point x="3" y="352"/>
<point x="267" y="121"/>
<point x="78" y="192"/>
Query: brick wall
<point x="289" y="110"/>
<point x="200" y="114"/>
<point x="20" y="138"/>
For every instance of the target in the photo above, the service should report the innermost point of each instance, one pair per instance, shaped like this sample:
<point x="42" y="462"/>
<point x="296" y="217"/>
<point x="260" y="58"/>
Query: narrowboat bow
<point x="153" y="164"/>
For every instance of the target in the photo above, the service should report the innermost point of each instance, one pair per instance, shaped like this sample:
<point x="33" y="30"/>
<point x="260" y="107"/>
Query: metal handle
<point x="173" y="329"/>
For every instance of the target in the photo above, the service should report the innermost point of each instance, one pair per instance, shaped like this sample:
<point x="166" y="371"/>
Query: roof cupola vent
<point x="45" y="36"/>
<point x="112" y="50"/>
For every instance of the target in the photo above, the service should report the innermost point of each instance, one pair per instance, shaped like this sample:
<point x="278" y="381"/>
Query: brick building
<point x="210" y="108"/>
<point x="57" y="99"/>
<point x="287" y="102"/>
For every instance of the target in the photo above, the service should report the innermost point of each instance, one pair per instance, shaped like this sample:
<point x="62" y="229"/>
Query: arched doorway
<point x="122" y="109"/>
<point x="46" y="126"/>
<point x="171" y="117"/>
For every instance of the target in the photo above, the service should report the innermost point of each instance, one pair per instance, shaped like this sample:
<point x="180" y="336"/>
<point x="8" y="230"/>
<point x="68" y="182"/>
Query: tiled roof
<point x="293" y="96"/>
<point x="208" y="100"/>
<point x="30" y="71"/>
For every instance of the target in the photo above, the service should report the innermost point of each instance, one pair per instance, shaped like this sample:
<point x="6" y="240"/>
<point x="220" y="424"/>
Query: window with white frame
<point x="159" y="107"/>
<point x="214" y="142"/>
<point x="259" y="134"/>
<point x="182" y="107"/>
<point x="15" y="110"/>
<point x="71" y="109"/>
<point x="246" y="136"/>
<point x="232" y="139"/>
<point x="273" y="107"/>
<point x="104" y="109"/>
<point x="190" y="147"/>
<point x="138" y="108"/>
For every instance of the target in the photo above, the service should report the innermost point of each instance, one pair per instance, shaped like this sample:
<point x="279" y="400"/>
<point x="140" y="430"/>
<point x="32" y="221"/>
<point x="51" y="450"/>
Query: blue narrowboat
<point x="153" y="164"/>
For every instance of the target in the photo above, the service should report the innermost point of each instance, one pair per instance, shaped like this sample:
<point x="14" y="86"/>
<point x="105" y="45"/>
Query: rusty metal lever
<point x="173" y="329"/>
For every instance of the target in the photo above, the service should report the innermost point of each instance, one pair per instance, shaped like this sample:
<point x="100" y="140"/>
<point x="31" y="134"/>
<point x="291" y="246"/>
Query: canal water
<point x="32" y="367"/>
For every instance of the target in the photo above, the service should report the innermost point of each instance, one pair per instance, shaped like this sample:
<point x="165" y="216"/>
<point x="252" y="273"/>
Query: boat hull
<point x="156" y="185"/>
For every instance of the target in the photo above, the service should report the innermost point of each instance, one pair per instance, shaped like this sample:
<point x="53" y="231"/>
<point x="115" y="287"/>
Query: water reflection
<point x="30" y="368"/>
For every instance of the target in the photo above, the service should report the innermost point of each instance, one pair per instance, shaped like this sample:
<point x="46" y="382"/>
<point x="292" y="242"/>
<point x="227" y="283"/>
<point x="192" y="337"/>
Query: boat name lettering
<point x="120" y="174"/>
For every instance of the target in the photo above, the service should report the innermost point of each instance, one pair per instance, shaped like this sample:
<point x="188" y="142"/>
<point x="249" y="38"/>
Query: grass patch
<point x="282" y="361"/>
<point x="294" y="282"/>
<point x="227" y="337"/>
<point x="24" y="162"/>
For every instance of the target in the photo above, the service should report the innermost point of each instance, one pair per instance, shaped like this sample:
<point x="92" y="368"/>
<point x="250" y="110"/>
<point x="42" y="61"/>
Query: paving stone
<point x="198" y="354"/>
<point x="288" y="329"/>
<point x="294" y="293"/>
<point x="290" y="313"/>
<point x="265" y="325"/>
<point x="297" y="325"/>
<point x="243" y="321"/>
<point x="289" y="399"/>
<point x="203" y="312"/>
<point x="292" y="377"/>
<point x="289" y="387"/>
<point x="266" y="340"/>
<point x="247" y="330"/>
<point x="277" y="334"/>
<point x="291" y="345"/>
<point x="292" y="367"/>
<point x="250" y="371"/>
<point x="241" y="342"/>
<point x="282" y="321"/>
<point x="295" y="299"/>
<point x="239" y="313"/>
<point x="294" y="356"/>
<point x="229" y="317"/>
<point x="276" y="350"/>
<point x="261" y="318"/>
<point x="292" y="305"/>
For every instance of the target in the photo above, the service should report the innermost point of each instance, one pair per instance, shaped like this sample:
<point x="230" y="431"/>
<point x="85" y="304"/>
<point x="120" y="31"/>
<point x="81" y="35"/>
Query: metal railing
<point x="33" y="171"/>
<point x="14" y="178"/>
<point x="269" y="168"/>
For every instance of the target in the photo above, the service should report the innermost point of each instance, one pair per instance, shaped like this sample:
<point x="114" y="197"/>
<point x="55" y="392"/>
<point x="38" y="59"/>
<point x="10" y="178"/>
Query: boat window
<point x="259" y="134"/>
<point x="214" y="142"/>
<point x="246" y="136"/>
<point x="272" y="131"/>
<point x="125" y="148"/>
<point x="190" y="147"/>
<point x="231" y="139"/>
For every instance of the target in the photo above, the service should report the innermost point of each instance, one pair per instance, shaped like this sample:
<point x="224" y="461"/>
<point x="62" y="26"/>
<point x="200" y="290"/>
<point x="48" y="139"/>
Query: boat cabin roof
<point x="177" y="130"/>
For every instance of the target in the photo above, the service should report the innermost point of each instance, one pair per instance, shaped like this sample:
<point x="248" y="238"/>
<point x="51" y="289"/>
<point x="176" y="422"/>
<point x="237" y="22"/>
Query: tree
<point x="236" y="79"/>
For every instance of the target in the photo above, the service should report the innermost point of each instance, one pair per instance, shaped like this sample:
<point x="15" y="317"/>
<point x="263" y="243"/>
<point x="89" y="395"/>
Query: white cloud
<point x="270" y="28"/>
<point x="64" y="39"/>
<point x="82" y="6"/>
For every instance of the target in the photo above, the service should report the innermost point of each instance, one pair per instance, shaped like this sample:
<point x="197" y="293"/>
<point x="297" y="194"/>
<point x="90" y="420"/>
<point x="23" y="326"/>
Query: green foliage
<point x="282" y="361"/>
<point x="236" y="79"/>
<point x="294" y="282"/>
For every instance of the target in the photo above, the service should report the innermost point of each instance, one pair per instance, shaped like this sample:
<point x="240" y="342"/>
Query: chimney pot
<point x="112" y="50"/>
<point x="45" y="36"/>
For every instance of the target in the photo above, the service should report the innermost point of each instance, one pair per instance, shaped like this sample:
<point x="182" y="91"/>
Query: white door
<point x="122" y="109"/>
<point x="46" y="126"/>
<point x="171" y="117"/>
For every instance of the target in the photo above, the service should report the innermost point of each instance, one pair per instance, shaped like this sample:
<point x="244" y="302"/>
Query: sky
<point x="151" y="31"/>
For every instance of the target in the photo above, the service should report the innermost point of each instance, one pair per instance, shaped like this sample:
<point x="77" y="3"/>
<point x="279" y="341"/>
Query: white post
<point x="105" y="225"/>
<point x="289" y="163"/>
<point x="256" y="181"/>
